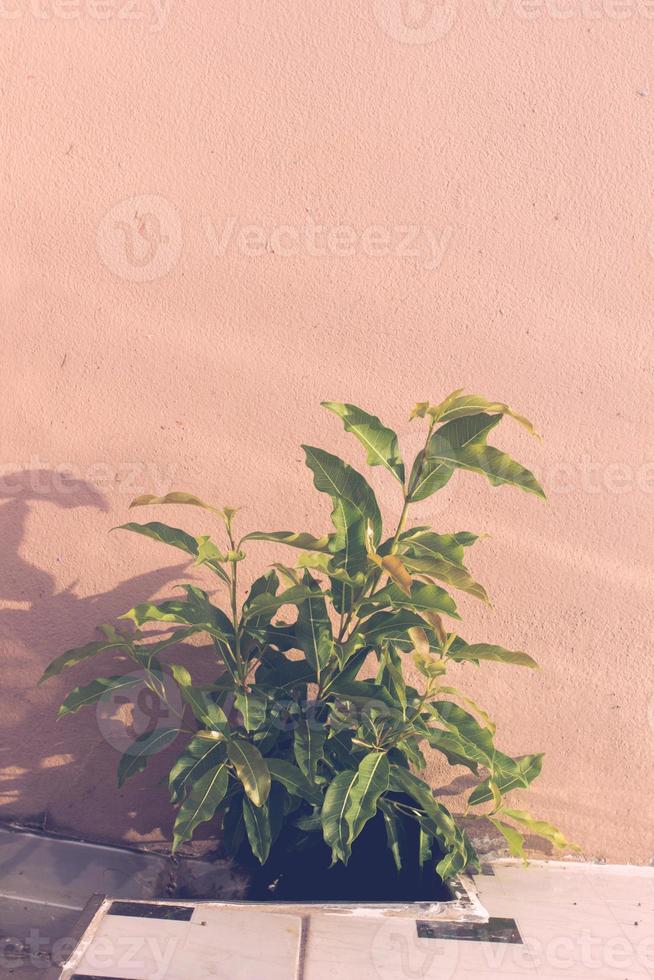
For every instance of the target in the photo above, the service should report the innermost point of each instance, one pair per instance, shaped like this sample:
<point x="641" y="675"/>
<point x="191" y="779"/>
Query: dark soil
<point x="298" y="870"/>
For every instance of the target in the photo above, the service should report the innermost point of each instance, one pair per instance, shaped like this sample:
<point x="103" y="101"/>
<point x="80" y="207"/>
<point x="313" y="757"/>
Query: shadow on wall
<point x="63" y="775"/>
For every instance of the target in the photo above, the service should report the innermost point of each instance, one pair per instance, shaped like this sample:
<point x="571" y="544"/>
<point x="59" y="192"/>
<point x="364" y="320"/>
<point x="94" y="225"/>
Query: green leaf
<point x="293" y="780"/>
<point x="266" y="604"/>
<point x="513" y="838"/>
<point x="199" y="756"/>
<point x="253" y="709"/>
<point x="350" y="544"/>
<point x="95" y="691"/>
<point x="205" y="710"/>
<point x="485" y="651"/>
<point x="257" y="825"/>
<point x="202" y="549"/>
<point x="372" y="780"/>
<point x="76" y="656"/>
<point x="446" y="571"/>
<point x="431" y="471"/>
<point x="176" y="497"/>
<point x="251" y="769"/>
<point x="462" y="406"/>
<point x="391" y="627"/>
<point x="526" y="770"/>
<point x="467" y="728"/>
<point x="497" y="466"/>
<point x="404" y="781"/>
<point x="541" y="828"/>
<point x="455" y="751"/>
<point x="302" y="540"/>
<point x="394" y="832"/>
<point x="335" y="827"/>
<point x="336" y="478"/>
<point x="136" y="758"/>
<point x="313" y="628"/>
<point x="425" y="597"/>
<point x="308" y="746"/>
<point x="380" y="443"/>
<point x="201" y="803"/>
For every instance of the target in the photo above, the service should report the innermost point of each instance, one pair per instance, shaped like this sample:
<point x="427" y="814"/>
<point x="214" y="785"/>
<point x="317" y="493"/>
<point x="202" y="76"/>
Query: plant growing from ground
<point x="311" y="721"/>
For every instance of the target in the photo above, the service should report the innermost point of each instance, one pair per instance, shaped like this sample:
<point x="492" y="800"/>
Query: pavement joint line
<point x="42" y="901"/>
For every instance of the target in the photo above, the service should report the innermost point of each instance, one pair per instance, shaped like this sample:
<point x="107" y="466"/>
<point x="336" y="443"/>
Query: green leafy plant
<point x="311" y="721"/>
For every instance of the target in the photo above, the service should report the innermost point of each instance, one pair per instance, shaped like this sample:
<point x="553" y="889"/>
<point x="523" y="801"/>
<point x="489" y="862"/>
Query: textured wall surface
<point x="216" y="215"/>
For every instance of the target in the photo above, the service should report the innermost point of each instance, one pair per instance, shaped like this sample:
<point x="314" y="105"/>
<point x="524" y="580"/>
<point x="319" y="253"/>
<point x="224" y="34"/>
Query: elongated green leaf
<point x="251" y="769"/>
<point x="349" y="544"/>
<point x="76" y="656"/>
<point x="253" y="709"/>
<point x="257" y="825"/>
<point x="380" y="443"/>
<point x="526" y="770"/>
<point x="293" y="780"/>
<point x="463" y="406"/>
<point x="392" y="627"/>
<point x="335" y="827"/>
<point x="205" y="709"/>
<point x="201" y="803"/>
<point x="266" y="604"/>
<point x="196" y="610"/>
<point x="541" y="828"/>
<point x="446" y="571"/>
<point x="424" y="597"/>
<point x="302" y="540"/>
<point x="428" y="476"/>
<point x="404" y="781"/>
<point x="336" y="478"/>
<point x="456" y="752"/>
<point x="199" y="756"/>
<point x="372" y="781"/>
<point x="469" y="703"/>
<point x="136" y="758"/>
<point x="313" y="628"/>
<point x="176" y="497"/>
<point x="485" y="651"/>
<point x="422" y="542"/>
<point x="513" y="838"/>
<point x="202" y="549"/>
<point x="431" y="471"/>
<point x="308" y="746"/>
<point x="497" y="466"/>
<point x="394" y="833"/>
<point x="467" y="728"/>
<point x="95" y="691"/>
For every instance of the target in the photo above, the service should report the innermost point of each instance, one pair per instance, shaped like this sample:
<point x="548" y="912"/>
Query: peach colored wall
<point x="217" y="214"/>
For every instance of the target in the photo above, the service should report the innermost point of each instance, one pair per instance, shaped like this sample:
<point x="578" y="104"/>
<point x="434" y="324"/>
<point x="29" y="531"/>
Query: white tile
<point x="134" y="948"/>
<point x="234" y="944"/>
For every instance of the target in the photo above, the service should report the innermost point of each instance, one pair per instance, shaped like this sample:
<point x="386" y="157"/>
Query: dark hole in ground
<point x="298" y="870"/>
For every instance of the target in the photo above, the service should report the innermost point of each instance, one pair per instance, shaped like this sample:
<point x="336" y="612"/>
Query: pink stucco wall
<point x="216" y="215"/>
